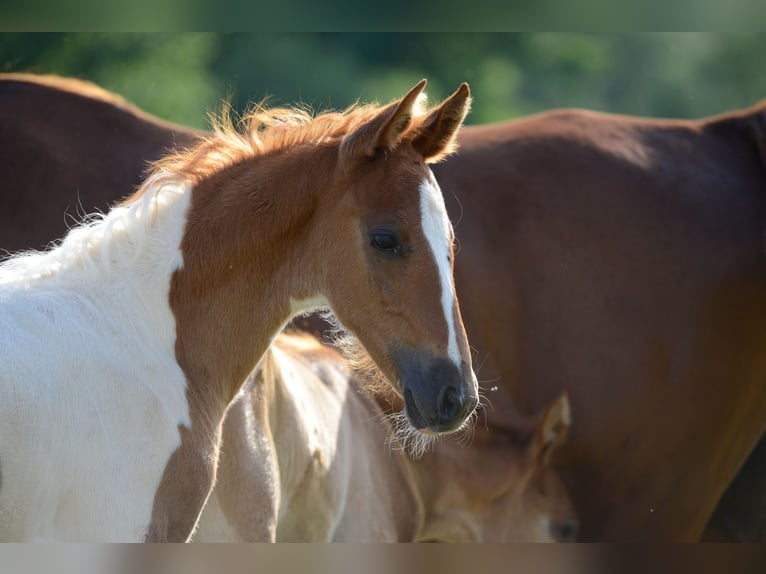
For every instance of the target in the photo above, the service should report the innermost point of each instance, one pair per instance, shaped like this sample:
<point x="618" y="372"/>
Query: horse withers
<point x="304" y="458"/>
<point x="124" y="344"/>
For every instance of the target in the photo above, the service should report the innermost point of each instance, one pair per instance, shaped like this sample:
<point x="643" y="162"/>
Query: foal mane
<point x="262" y="130"/>
<point x="90" y="248"/>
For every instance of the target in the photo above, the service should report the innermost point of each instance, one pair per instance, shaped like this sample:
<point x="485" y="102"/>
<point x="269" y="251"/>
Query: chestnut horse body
<point x="619" y="258"/>
<point x="623" y="258"/>
<point x="124" y="344"/>
<point x="90" y="165"/>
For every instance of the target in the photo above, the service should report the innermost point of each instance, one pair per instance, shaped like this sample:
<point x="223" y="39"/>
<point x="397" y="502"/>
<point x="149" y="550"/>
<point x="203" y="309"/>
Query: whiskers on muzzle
<point x="404" y="437"/>
<point x="465" y="434"/>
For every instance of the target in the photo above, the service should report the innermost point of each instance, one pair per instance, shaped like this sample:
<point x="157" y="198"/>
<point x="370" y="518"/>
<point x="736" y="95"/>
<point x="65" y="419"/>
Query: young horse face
<point x="500" y="489"/>
<point x="395" y="241"/>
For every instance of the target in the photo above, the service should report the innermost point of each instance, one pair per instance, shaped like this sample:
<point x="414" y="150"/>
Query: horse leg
<point x="244" y="505"/>
<point x="185" y="486"/>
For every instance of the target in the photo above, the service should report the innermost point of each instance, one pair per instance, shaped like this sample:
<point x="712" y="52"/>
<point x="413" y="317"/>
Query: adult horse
<point x="625" y="257"/>
<point x="621" y="256"/>
<point x="95" y="154"/>
<point x="134" y="334"/>
<point x="304" y="458"/>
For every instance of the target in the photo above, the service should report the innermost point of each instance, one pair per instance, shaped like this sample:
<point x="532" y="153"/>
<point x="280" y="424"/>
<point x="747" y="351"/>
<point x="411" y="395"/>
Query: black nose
<point x="564" y="530"/>
<point x="450" y="403"/>
<point x="437" y="404"/>
<point x="441" y="419"/>
<point x="413" y="412"/>
<point x="438" y="396"/>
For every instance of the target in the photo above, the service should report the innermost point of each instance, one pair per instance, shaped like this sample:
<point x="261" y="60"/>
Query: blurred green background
<point x="181" y="77"/>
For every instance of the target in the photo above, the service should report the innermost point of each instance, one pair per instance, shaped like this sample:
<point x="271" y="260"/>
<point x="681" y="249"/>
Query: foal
<point x="123" y="346"/>
<point x="303" y="437"/>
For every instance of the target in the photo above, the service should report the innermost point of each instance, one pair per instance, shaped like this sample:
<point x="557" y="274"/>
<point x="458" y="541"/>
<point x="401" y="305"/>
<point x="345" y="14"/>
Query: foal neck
<point x="246" y="259"/>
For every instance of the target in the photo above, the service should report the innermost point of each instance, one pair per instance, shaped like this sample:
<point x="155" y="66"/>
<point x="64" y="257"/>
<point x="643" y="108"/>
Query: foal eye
<point x="386" y="242"/>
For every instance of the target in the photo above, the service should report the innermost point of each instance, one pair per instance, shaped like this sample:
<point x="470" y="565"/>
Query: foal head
<point x="387" y="257"/>
<point x="501" y="488"/>
<point x="338" y="210"/>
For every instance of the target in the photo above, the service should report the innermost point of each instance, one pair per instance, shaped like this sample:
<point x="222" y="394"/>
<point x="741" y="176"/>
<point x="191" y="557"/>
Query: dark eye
<point x="564" y="530"/>
<point x="386" y="242"/>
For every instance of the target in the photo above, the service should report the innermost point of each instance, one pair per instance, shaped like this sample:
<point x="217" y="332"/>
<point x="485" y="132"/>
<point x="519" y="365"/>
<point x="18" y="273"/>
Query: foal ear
<point x="436" y="137"/>
<point x="552" y="431"/>
<point x="384" y="131"/>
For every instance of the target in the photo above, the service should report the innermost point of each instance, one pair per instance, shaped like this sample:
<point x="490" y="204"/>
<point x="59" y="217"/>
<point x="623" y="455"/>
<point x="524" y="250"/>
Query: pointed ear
<point x="384" y="131"/>
<point x="437" y="136"/>
<point x="552" y="431"/>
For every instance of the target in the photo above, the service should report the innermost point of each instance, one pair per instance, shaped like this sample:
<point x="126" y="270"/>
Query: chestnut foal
<point x="123" y="346"/>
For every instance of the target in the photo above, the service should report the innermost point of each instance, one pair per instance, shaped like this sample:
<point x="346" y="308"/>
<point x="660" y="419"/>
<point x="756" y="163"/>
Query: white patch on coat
<point x="91" y="395"/>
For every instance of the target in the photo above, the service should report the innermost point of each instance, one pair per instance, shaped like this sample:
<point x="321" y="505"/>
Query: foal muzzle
<point x="438" y="396"/>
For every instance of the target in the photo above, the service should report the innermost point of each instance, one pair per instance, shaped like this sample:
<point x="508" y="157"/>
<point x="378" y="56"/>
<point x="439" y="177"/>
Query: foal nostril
<point x="450" y="404"/>
<point x="564" y="530"/>
<point x="416" y="417"/>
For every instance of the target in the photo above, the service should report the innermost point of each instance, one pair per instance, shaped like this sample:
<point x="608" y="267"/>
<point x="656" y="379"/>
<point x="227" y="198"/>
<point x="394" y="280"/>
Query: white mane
<point x="103" y="242"/>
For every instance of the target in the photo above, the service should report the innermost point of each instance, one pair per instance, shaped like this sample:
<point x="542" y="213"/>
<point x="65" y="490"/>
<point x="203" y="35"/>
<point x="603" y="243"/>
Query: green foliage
<point x="183" y="76"/>
<point x="167" y="74"/>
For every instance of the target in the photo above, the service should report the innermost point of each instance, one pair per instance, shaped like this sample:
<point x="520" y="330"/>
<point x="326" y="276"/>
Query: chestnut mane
<point x="264" y="130"/>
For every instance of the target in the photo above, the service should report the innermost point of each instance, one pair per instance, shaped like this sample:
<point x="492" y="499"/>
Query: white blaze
<point x="436" y="227"/>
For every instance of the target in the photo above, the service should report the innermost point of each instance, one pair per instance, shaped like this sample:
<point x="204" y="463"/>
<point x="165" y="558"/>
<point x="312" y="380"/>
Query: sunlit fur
<point x="264" y="130"/>
<point x="104" y="244"/>
<point x="324" y="473"/>
<point x="402" y="437"/>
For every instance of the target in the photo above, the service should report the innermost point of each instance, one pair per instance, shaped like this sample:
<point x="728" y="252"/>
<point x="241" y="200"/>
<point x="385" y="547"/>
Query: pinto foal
<point x="303" y="458"/>
<point x="123" y="346"/>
